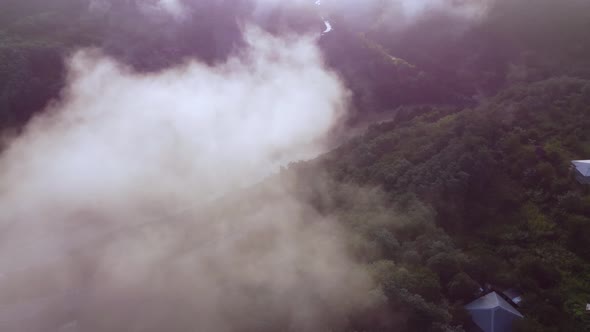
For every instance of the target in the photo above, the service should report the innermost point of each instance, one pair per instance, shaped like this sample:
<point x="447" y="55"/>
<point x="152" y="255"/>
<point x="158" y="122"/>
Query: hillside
<point x="495" y="180"/>
<point x="460" y="182"/>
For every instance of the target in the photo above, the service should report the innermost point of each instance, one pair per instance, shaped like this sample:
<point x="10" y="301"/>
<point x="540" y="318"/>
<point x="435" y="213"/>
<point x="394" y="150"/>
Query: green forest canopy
<point x="468" y="183"/>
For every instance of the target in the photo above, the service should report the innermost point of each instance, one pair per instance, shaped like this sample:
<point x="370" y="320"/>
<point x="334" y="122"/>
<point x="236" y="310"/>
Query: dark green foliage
<point x="445" y="265"/>
<point x="462" y="287"/>
<point x="530" y="325"/>
<point x="36" y="36"/>
<point x="498" y="181"/>
<point x="30" y="75"/>
<point x="542" y="274"/>
<point x="468" y="185"/>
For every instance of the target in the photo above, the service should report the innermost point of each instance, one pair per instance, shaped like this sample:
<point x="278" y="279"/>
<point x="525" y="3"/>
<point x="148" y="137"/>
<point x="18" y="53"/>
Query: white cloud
<point x="123" y="148"/>
<point x="173" y="7"/>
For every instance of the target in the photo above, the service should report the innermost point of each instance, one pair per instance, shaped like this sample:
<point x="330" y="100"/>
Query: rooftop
<point x="492" y="313"/>
<point x="582" y="166"/>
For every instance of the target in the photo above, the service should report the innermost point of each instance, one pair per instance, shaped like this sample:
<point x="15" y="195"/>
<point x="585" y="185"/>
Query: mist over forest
<point x="267" y="165"/>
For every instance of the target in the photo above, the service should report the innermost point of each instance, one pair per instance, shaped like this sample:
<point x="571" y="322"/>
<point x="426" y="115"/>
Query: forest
<point x="454" y="174"/>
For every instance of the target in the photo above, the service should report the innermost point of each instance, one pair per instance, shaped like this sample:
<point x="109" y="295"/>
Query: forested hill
<point x="385" y="66"/>
<point x="471" y="197"/>
<point x="468" y="182"/>
<point x="444" y="59"/>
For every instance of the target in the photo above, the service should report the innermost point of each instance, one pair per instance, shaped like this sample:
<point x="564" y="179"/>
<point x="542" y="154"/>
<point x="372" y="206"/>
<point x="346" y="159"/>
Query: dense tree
<point x="462" y="287"/>
<point x="466" y="184"/>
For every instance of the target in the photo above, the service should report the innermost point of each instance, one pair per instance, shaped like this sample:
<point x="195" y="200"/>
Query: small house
<point x="491" y="313"/>
<point x="582" y="170"/>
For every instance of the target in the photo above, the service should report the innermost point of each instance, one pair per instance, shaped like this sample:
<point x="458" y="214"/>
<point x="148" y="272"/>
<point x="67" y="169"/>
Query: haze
<point x="294" y="165"/>
<point x="145" y="154"/>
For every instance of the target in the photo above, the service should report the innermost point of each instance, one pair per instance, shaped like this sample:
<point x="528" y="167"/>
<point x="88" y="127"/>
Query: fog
<point x="124" y="206"/>
<point x="399" y="14"/>
<point x="362" y="14"/>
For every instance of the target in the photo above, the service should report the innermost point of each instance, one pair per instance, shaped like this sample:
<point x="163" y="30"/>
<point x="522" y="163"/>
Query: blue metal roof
<point x="582" y="166"/>
<point x="582" y="170"/>
<point x="492" y="313"/>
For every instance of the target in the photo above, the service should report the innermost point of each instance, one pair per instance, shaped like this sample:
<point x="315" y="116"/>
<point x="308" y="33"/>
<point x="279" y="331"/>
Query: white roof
<point x="583" y="166"/>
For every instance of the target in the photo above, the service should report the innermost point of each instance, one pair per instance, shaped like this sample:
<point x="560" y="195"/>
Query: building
<point x="491" y="313"/>
<point x="582" y="170"/>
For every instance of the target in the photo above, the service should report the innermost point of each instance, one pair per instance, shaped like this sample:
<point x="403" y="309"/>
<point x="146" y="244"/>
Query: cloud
<point x="154" y="8"/>
<point x="172" y="6"/>
<point x="466" y="8"/>
<point x="398" y="14"/>
<point x="119" y="193"/>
